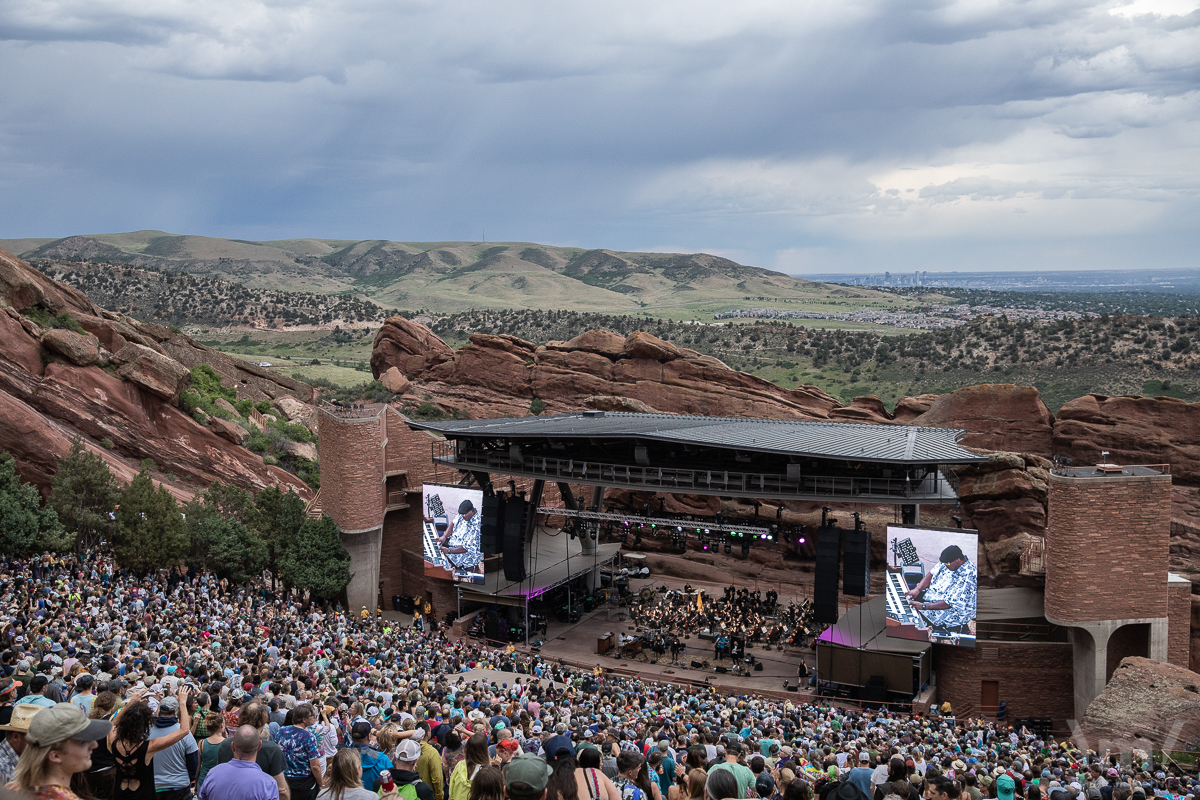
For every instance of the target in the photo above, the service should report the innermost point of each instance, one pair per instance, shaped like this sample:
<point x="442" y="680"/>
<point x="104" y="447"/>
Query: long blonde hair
<point x="34" y="767"/>
<point x="344" y="772"/>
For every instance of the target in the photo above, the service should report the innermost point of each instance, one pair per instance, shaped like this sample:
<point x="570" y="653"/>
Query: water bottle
<point x="388" y="784"/>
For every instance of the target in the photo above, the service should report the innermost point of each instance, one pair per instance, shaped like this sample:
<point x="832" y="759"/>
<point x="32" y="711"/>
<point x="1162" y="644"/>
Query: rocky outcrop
<point x="996" y="416"/>
<point x="297" y="412"/>
<point x="51" y="391"/>
<point x="409" y="346"/>
<point x="152" y="371"/>
<point x="230" y="431"/>
<point x="1146" y="704"/>
<point x="503" y="374"/>
<point x="80" y="349"/>
<point x="1134" y="430"/>
<point x="394" y="381"/>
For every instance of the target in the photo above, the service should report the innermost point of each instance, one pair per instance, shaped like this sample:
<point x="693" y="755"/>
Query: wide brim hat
<point x="22" y="715"/>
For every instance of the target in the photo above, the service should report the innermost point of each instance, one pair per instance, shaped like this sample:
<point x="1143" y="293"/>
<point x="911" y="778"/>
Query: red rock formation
<point x="1146" y="704"/>
<point x="48" y="395"/>
<point x="1135" y="430"/>
<point x="504" y="374"/>
<point x="996" y="416"/>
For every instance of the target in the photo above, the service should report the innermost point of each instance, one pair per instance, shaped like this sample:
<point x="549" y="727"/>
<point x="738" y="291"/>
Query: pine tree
<point x="84" y="496"/>
<point x="150" y="531"/>
<point x="316" y="560"/>
<point x="278" y="518"/>
<point x="24" y="525"/>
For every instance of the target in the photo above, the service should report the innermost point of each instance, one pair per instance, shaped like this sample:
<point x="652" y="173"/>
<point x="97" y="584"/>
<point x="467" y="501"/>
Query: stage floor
<point x="577" y="643"/>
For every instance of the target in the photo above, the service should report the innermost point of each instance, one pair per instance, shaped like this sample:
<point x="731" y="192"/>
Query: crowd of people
<point x="132" y="687"/>
<point x="746" y="614"/>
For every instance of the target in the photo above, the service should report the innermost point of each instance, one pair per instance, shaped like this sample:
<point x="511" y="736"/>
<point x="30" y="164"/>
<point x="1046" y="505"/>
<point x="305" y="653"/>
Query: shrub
<point x="106" y="443"/>
<point x="537" y="407"/>
<point x="207" y="382"/>
<point x="67" y="322"/>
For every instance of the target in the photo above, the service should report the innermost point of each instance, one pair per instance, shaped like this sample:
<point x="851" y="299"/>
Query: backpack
<point x="407" y="791"/>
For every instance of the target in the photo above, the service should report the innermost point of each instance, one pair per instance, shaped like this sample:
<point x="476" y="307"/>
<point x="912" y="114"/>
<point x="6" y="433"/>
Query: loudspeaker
<point x="758" y="667"/>
<point x="908" y="514"/>
<point x="491" y="524"/>
<point x="856" y="572"/>
<point x="721" y="670"/>
<point x="514" y="539"/>
<point x="825" y="576"/>
<point x="697" y="665"/>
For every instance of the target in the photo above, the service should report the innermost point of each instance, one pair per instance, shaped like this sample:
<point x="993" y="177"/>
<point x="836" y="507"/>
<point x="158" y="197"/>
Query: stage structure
<point x="675" y="454"/>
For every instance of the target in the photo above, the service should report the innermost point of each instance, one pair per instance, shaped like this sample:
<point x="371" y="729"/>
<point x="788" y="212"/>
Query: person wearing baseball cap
<point x="58" y="745"/>
<point x="14" y="740"/>
<point x="404" y="770"/>
<point x="526" y="777"/>
<point x="1005" y="787"/>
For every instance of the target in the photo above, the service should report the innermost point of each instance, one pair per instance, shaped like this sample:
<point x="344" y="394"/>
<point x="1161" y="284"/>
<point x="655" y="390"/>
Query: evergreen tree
<point x="150" y="531"/>
<point x="278" y="518"/>
<point x="24" y="525"/>
<point x="316" y="560"/>
<point x="234" y="551"/>
<point x="84" y="495"/>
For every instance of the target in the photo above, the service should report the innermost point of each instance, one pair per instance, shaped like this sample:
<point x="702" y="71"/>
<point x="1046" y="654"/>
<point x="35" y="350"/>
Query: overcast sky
<point x="801" y="136"/>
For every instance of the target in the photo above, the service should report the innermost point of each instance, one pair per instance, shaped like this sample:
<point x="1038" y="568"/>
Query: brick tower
<point x="1107" y="540"/>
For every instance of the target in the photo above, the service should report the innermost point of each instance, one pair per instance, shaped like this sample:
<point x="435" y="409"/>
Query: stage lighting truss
<point x="653" y="524"/>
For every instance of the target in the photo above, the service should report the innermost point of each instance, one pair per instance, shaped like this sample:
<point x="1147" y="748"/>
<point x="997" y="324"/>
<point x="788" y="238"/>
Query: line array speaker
<point x="825" y="583"/>
<point x="514" y="539"/>
<point x="856" y="572"/>
<point x="491" y="524"/>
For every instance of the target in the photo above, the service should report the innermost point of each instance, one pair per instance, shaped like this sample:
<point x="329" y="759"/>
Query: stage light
<point x="745" y="550"/>
<point x="728" y="547"/>
<point x="802" y="540"/>
<point x="679" y="528"/>
<point x="957" y="522"/>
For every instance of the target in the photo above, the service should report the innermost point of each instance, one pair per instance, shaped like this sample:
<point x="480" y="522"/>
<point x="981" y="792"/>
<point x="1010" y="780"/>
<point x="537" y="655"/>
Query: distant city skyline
<point x="809" y="138"/>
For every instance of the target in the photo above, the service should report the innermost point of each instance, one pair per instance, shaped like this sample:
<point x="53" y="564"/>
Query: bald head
<point x="246" y="743"/>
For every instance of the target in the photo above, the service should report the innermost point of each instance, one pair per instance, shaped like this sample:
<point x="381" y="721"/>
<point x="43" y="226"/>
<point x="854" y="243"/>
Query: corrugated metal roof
<point x="842" y="440"/>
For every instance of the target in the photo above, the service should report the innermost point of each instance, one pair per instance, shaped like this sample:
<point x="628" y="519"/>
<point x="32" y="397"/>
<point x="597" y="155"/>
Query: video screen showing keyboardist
<point x="451" y="530"/>
<point x="931" y="584"/>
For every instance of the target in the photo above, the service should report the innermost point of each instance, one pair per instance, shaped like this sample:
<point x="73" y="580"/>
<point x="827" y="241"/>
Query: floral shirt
<point x="957" y="587"/>
<point x="466" y="534"/>
<point x="44" y="792"/>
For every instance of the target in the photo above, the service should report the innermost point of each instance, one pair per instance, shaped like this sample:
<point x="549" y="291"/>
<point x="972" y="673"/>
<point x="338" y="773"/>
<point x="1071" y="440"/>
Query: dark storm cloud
<point x="780" y="133"/>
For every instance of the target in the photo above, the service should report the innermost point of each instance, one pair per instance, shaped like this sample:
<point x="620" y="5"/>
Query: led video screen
<point x="451" y="518"/>
<point x="931" y="584"/>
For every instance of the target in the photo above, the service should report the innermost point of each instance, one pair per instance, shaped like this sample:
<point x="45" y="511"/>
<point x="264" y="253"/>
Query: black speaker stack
<point x="514" y="539"/>
<point x="491" y="524"/>
<point x="856" y="571"/>
<point x="825" y="578"/>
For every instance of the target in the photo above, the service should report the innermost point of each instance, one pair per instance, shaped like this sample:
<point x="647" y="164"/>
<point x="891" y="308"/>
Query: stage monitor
<point x="931" y="583"/>
<point x="451" y="519"/>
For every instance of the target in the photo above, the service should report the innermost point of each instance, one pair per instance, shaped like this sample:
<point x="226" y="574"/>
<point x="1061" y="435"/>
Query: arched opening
<point x="1128" y="640"/>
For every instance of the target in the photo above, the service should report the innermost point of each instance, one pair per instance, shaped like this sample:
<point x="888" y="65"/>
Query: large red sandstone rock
<point x="409" y="346"/>
<point x="80" y="349"/>
<point x="1135" y="430"/>
<point x="996" y="416"/>
<point x="862" y="409"/>
<point x="42" y="408"/>
<point x="152" y="371"/>
<point x="23" y="287"/>
<point x="1146" y="704"/>
<point x="505" y="373"/>
<point x="909" y="408"/>
<point x="394" y="381"/>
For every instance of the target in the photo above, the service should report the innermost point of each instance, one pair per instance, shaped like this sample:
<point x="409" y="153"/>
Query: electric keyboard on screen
<point x="899" y="609"/>
<point x="432" y="554"/>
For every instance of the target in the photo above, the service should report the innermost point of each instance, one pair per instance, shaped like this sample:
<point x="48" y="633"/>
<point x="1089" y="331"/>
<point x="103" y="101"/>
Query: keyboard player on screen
<point x="460" y="543"/>
<point x="946" y="596"/>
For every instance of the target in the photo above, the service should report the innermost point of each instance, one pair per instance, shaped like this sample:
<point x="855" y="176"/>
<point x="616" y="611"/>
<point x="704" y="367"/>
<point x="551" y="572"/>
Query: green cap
<point x="530" y="770"/>
<point x="1005" y="786"/>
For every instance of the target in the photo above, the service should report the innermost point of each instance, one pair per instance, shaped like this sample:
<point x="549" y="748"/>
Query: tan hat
<point x="21" y="715"/>
<point x="65" y="721"/>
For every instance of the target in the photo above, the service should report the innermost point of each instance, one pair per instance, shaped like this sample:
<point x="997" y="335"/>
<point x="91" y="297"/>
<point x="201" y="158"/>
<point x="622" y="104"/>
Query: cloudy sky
<point x="804" y="136"/>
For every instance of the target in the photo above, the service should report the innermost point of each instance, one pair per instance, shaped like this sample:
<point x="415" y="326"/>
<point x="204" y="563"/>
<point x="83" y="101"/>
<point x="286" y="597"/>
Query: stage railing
<point x="459" y="455"/>
<point x="1110" y="471"/>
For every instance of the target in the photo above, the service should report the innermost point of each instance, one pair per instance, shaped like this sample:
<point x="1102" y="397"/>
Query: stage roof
<point x="894" y="444"/>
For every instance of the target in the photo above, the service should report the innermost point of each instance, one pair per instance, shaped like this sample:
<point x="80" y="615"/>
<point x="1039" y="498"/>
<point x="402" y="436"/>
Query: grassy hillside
<point x="457" y="276"/>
